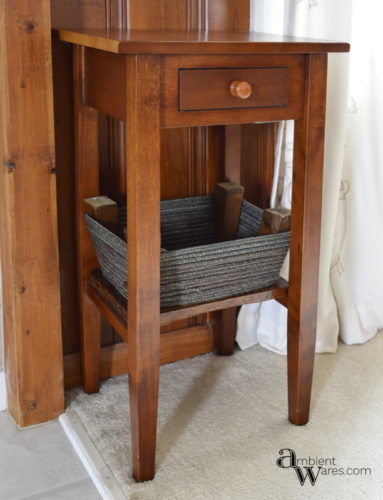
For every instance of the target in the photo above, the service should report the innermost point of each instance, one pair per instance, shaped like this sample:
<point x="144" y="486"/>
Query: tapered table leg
<point x="143" y="194"/>
<point x="305" y="239"/>
<point x="87" y="185"/>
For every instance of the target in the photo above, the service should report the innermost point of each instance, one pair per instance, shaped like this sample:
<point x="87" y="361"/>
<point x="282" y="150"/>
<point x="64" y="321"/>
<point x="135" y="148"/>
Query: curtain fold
<point x="357" y="269"/>
<point x="350" y="301"/>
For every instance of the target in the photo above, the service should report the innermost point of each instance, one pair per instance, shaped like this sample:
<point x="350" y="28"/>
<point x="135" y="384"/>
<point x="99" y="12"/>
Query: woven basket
<point x="195" y="269"/>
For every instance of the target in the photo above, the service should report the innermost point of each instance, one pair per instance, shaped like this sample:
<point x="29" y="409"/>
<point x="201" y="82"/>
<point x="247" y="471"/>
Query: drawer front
<point x="228" y="88"/>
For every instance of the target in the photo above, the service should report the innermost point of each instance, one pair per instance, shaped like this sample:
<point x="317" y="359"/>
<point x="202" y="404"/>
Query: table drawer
<point x="228" y="88"/>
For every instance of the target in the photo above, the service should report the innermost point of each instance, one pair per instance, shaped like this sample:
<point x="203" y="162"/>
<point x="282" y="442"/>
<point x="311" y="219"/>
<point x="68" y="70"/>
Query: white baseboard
<point x="3" y="392"/>
<point x="97" y="469"/>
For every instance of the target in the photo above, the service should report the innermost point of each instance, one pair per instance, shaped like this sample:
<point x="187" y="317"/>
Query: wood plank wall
<point x="193" y="159"/>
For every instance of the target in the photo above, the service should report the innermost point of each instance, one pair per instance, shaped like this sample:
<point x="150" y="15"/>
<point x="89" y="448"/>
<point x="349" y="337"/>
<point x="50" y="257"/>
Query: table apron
<point x="277" y="81"/>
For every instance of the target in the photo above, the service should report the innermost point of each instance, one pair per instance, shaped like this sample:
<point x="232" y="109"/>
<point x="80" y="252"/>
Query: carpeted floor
<point x="222" y="422"/>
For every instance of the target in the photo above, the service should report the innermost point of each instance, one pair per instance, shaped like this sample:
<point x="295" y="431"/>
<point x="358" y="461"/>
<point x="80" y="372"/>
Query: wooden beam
<point x="29" y="246"/>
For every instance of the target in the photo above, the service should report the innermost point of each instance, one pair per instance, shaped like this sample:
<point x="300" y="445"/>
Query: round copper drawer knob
<point x="240" y="89"/>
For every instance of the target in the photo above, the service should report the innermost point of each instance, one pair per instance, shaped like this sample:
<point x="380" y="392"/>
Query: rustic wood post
<point x="28" y="240"/>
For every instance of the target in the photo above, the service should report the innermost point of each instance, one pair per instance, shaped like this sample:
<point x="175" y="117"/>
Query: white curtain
<point x="350" y="296"/>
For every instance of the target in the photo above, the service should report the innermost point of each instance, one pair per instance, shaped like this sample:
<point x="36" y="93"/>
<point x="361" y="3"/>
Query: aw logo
<point x="290" y="461"/>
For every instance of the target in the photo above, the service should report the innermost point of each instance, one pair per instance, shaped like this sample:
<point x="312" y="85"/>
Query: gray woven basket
<point x="195" y="269"/>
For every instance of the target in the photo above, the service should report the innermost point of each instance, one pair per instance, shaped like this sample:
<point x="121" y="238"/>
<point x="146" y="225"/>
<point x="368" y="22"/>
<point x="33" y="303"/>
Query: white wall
<point x="268" y="15"/>
<point x="3" y="397"/>
<point x="1" y="327"/>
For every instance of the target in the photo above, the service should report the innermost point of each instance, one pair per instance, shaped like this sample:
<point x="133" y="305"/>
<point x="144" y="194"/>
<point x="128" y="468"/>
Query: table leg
<point x="305" y="239"/>
<point x="143" y="200"/>
<point x="87" y="185"/>
<point x="225" y="330"/>
<point x="225" y="327"/>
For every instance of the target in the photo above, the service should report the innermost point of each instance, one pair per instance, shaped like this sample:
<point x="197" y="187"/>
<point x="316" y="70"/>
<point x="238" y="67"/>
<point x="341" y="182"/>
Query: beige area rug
<point x="222" y="422"/>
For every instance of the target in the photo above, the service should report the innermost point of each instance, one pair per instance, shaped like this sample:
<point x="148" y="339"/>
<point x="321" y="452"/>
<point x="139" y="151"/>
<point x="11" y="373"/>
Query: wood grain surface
<point x="194" y="42"/>
<point x="143" y="208"/>
<point x="305" y="239"/>
<point x="29" y="242"/>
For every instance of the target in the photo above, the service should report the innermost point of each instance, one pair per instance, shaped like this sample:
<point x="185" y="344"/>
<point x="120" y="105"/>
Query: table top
<point x="195" y="42"/>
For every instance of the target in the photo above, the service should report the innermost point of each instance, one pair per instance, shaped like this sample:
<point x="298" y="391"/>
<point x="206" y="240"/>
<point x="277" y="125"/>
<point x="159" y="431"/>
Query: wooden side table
<point x="174" y="79"/>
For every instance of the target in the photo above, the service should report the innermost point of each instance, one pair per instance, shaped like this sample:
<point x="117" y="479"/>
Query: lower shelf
<point x="114" y="307"/>
<point x="174" y="346"/>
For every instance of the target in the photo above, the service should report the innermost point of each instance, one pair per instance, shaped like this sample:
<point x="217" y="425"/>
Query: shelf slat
<point x="114" y="307"/>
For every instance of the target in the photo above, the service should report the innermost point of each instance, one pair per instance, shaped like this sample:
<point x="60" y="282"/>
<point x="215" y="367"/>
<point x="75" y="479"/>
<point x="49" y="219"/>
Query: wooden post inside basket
<point x="275" y="220"/>
<point x="228" y="201"/>
<point x="104" y="210"/>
